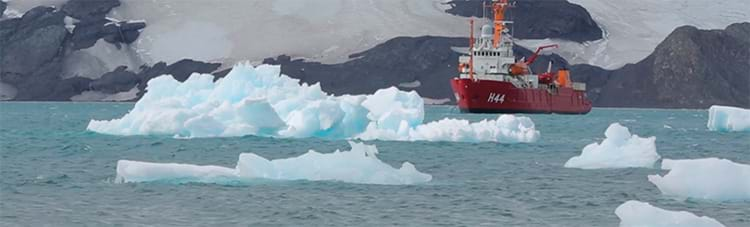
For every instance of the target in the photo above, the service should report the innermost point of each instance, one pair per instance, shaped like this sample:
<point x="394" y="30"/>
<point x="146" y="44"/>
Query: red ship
<point x="491" y="80"/>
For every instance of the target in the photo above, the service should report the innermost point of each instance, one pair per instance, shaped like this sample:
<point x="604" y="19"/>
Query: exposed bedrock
<point x="41" y="53"/>
<point x="691" y="68"/>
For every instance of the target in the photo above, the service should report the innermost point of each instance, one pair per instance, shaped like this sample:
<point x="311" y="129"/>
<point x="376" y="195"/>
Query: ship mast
<point x="498" y="7"/>
<point x="471" y="50"/>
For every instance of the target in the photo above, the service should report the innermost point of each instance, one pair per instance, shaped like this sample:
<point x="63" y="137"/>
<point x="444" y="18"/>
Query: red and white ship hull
<point x="489" y="96"/>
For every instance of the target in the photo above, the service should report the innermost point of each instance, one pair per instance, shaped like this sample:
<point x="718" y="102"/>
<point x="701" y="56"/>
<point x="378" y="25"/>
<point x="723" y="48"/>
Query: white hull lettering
<point x="496" y="98"/>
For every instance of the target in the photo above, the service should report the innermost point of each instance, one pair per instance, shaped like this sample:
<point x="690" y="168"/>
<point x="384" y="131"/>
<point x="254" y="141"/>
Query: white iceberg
<point x="261" y="101"/>
<point x="728" y="119"/>
<point x="639" y="214"/>
<point x="619" y="150"/>
<point x="504" y="129"/>
<point x="708" y="178"/>
<point x="360" y="165"/>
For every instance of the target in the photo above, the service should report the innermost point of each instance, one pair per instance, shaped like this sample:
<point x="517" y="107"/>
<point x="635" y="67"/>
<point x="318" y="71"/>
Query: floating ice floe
<point x="619" y="150"/>
<point x="638" y="214"/>
<point x="261" y="101"/>
<point x="709" y="178"/>
<point x="359" y="165"/>
<point x="504" y="129"/>
<point x="728" y="119"/>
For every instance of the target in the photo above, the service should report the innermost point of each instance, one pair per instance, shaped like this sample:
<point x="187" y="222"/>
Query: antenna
<point x="512" y="25"/>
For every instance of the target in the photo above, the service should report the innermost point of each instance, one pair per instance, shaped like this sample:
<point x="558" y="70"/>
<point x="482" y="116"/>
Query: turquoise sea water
<point x="54" y="172"/>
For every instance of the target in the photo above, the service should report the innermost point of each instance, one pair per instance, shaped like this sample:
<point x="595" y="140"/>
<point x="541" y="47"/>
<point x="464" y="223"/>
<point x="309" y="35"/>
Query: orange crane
<point x="522" y="68"/>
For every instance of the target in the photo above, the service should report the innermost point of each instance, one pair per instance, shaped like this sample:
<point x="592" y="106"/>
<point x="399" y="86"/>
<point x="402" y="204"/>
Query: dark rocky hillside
<point x="534" y="19"/>
<point x="398" y="62"/>
<point x="691" y="68"/>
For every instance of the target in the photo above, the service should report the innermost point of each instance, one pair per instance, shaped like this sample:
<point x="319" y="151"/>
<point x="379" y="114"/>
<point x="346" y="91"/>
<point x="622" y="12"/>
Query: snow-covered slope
<point x="233" y="30"/>
<point x="330" y="30"/>
<point x="322" y="30"/>
<point x="633" y="28"/>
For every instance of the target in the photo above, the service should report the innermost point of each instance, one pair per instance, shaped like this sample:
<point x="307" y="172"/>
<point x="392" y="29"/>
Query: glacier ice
<point x="636" y="213"/>
<point x="359" y="165"/>
<point x="263" y="102"/>
<point x="619" y="150"/>
<point x="728" y="119"/>
<point x="708" y="178"/>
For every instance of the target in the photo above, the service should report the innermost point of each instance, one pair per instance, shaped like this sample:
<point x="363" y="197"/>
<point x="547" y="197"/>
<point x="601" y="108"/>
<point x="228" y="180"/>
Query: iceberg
<point x="619" y="150"/>
<point x="359" y="165"/>
<point x="504" y="129"/>
<point x="708" y="178"/>
<point x="261" y="101"/>
<point x="728" y="119"/>
<point x="636" y="213"/>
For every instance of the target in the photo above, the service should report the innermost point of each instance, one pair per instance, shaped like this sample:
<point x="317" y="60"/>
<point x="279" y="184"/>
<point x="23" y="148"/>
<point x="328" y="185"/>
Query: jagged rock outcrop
<point x="36" y="40"/>
<point x="35" y="47"/>
<point x="3" y="6"/>
<point x="89" y="9"/>
<point x="121" y="79"/>
<point x="92" y="24"/>
<point x="31" y="54"/>
<point x="691" y="68"/>
<point x="539" y="19"/>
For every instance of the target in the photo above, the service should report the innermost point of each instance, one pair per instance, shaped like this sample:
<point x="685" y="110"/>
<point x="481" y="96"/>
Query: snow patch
<point x="413" y="84"/>
<point x="260" y="101"/>
<point x="70" y="23"/>
<point x="619" y="150"/>
<point x="709" y="178"/>
<point x="636" y="214"/>
<point x="359" y="165"/>
<point x="728" y="119"/>
<point x="95" y="61"/>
<point x="7" y="92"/>
<point x="200" y="40"/>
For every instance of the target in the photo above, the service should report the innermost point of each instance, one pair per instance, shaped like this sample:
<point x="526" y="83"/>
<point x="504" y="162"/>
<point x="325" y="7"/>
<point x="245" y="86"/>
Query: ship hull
<point x="488" y="96"/>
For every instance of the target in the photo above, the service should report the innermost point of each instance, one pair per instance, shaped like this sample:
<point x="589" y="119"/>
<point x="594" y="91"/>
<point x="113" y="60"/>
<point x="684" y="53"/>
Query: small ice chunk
<point x="708" y="178"/>
<point x="639" y="214"/>
<point x="619" y="150"/>
<point x="728" y="119"/>
<point x="359" y="165"/>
